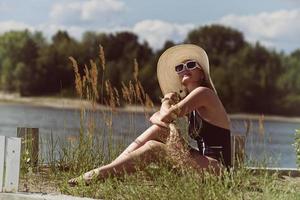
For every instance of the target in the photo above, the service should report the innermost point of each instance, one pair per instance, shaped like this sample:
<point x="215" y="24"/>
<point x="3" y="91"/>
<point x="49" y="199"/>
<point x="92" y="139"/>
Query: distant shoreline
<point x="65" y="103"/>
<point x="72" y="103"/>
<point x="265" y="117"/>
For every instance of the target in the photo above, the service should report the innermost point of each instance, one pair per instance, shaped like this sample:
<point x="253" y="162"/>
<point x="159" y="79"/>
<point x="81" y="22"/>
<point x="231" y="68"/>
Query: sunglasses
<point x="189" y="65"/>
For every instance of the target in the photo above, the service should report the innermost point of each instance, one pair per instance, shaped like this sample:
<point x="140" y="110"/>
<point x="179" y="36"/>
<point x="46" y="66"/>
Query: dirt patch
<point x="38" y="184"/>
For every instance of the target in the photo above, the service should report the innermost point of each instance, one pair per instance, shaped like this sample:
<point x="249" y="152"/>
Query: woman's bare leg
<point x="151" y="151"/>
<point x="154" y="134"/>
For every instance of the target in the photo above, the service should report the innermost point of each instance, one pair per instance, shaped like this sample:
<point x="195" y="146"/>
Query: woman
<point x="183" y="70"/>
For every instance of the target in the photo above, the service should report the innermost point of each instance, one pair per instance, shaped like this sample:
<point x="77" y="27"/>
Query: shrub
<point x="297" y="146"/>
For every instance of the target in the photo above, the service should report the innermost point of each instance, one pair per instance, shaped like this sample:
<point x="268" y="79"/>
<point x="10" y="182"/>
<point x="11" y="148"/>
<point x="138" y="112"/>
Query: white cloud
<point x="278" y="29"/>
<point x="48" y="29"/>
<point x="84" y="11"/>
<point x="274" y="29"/>
<point x="13" y="25"/>
<point x="156" y="32"/>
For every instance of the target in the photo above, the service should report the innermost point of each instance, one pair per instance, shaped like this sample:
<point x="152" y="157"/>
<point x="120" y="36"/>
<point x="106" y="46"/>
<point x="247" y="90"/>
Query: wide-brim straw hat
<point x="167" y="77"/>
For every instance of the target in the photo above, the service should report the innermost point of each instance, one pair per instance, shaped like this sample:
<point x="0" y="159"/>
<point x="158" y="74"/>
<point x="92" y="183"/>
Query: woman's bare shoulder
<point x="203" y="93"/>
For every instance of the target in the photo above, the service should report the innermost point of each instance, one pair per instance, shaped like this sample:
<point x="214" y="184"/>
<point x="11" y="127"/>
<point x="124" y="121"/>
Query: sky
<point x="274" y="23"/>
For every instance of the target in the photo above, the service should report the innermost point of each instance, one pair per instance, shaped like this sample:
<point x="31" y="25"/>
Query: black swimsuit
<point x="213" y="141"/>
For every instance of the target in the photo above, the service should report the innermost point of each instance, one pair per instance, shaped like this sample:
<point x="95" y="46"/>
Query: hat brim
<point x="167" y="77"/>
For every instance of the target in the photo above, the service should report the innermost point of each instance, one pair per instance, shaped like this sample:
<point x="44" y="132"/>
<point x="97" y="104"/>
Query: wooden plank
<point x="30" y="142"/>
<point x="2" y="157"/>
<point x="292" y="172"/>
<point x="237" y="149"/>
<point x="12" y="162"/>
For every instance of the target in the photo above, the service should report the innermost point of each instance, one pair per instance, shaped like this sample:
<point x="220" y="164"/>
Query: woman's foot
<point x="85" y="178"/>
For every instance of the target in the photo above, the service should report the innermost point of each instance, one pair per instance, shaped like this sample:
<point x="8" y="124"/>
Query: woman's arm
<point x="166" y="103"/>
<point x="199" y="97"/>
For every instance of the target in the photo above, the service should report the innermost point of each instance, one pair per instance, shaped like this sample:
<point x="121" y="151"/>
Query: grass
<point x="161" y="182"/>
<point x="92" y="148"/>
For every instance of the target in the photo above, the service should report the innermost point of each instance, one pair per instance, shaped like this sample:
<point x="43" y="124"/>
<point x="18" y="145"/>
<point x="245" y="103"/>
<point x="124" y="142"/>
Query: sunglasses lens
<point x="179" y="68"/>
<point x="191" y="65"/>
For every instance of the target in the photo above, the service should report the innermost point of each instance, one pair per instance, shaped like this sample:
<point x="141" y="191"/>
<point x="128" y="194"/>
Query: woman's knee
<point x="160" y="133"/>
<point x="151" y="151"/>
<point x="153" y="145"/>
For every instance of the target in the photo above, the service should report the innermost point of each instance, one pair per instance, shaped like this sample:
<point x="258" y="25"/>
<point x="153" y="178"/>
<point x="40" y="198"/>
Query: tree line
<point x="249" y="78"/>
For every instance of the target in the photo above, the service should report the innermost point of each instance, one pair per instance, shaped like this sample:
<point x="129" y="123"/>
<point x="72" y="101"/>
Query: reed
<point x="297" y="146"/>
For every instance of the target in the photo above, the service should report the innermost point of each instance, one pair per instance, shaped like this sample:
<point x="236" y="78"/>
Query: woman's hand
<point x="172" y="98"/>
<point x="156" y="118"/>
<point x="168" y="111"/>
<point x="168" y="101"/>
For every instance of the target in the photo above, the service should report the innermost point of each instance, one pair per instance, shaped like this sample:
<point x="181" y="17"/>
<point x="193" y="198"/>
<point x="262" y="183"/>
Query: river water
<point x="269" y="142"/>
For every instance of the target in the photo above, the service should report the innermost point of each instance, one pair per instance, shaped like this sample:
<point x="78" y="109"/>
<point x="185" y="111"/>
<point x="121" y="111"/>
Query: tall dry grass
<point x="132" y="93"/>
<point x="89" y="85"/>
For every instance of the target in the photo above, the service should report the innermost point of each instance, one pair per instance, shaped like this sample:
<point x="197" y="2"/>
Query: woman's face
<point x="190" y="73"/>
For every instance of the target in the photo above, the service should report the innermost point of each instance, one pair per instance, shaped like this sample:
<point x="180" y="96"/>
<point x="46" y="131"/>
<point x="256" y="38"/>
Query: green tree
<point x="252" y="76"/>
<point x="121" y="49"/>
<point x="54" y="65"/>
<point x="289" y="84"/>
<point x="218" y="41"/>
<point x="16" y="48"/>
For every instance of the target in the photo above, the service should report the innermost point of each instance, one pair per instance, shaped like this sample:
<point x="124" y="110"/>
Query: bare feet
<point x="85" y="178"/>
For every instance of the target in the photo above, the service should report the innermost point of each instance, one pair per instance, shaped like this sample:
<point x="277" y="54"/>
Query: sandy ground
<point x="64" y="103"/>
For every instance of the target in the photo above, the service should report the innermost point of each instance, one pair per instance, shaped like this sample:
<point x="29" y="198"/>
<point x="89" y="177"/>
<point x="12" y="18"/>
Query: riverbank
<point x="64" y="103"/>
<point x="73" y="103"/>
